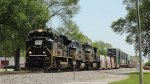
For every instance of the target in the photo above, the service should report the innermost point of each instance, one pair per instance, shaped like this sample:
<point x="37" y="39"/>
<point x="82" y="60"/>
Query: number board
<point x="38" y="42"/>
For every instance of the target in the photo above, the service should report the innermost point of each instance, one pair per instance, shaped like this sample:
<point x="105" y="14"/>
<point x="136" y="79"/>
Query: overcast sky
<point x="95" y="18"/>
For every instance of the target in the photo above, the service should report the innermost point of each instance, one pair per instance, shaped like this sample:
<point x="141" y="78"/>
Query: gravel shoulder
<point x="81" y="77"/>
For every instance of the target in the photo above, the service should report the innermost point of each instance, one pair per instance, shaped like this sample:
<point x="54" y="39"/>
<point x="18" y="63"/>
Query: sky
<point x="95" y="18"/>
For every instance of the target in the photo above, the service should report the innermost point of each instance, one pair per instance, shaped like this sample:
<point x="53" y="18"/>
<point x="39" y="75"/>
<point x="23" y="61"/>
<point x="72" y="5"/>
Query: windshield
<point x="40" y="35"/>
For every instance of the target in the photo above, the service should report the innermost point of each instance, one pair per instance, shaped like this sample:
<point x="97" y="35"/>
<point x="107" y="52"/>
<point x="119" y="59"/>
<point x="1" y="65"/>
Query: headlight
<point x="43" y="52"/>
<point x="30" y="52"/>
<point x="40" y="30"/>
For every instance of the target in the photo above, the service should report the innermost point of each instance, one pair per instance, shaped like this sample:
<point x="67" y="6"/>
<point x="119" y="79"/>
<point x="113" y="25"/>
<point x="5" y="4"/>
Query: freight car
<point x="118" y="58"/>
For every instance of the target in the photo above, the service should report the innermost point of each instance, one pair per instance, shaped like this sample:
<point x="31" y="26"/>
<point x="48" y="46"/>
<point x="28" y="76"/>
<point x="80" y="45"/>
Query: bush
<point x="147" y="63"/>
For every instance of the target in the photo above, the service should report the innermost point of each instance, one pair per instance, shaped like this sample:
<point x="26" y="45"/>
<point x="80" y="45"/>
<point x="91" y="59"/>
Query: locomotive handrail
<point x="49" y="51"/>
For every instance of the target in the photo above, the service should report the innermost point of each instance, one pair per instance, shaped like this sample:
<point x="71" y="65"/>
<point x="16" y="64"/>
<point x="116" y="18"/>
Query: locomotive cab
<point x="96" y="59"/>
<point x="75" y="50"/>
<point x="62" y="57"/>
<point x="88" y="55"/>
<point x="75" y="53"/>
<point x="87" y="52"/>
<point x="38" y="49"/>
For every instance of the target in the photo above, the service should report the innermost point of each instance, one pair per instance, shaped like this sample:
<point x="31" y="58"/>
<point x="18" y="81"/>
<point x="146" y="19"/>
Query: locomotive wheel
<point x="89" y="66"/>
<point x="56" y="64"/>
<point x="47" y="68"/>
<point x="78" y="65"/>
<point x="98" y="65"/>
<point x="70" y="66"/>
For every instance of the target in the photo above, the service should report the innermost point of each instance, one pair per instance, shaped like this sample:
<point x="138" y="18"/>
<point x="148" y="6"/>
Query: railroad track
<point x="37" y="72"/>
<point x="18" y="72"/>
<point x="90" y="76"/>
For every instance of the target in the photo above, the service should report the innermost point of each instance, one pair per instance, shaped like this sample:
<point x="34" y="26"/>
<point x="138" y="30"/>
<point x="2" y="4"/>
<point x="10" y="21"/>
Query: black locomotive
<point x="39" y="46"/>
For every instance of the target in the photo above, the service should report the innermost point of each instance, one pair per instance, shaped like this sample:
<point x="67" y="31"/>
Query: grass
<point x="134" y="79"/>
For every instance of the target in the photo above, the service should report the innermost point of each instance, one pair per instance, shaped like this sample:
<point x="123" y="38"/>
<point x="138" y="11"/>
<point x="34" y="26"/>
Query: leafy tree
<point x="15" y="21"/>
<point x="71" y="30"/>
<point x="18" y="17"/>
<point x="64" y="9"/>
<point x="102" y="47"/>
<point x="128" y="24"/>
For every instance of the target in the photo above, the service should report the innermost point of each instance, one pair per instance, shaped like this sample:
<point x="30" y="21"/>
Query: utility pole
<point x="139" y="42"/>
